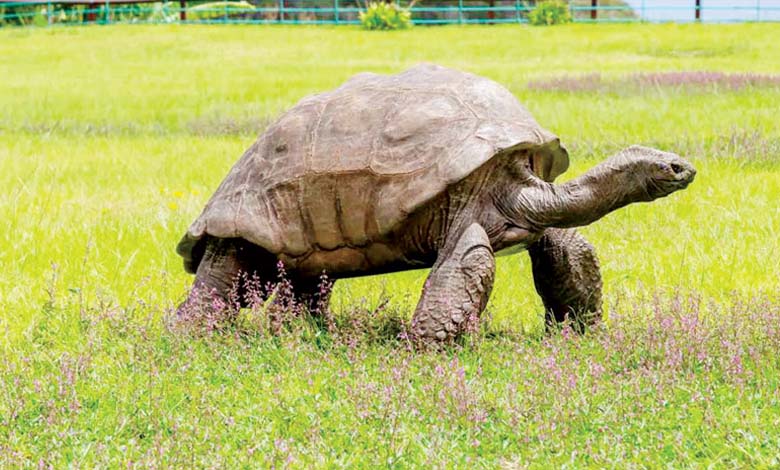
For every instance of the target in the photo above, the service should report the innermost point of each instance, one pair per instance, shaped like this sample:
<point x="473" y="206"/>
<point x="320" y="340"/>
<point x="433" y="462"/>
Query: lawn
<point x="113" y="138"/>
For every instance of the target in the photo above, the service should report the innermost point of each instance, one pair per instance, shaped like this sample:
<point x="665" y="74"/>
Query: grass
<point x="112" y="139"/>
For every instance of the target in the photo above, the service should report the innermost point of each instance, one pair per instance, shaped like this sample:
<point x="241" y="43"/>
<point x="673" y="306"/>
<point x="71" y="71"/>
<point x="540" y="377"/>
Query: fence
<point x="337" y="12"/>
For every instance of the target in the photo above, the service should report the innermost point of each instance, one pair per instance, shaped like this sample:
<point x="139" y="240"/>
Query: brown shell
<point x="347" y="166"/>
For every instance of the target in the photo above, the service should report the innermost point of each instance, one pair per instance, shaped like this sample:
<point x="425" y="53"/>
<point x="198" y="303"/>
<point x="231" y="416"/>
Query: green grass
<point x="112" y="139"/>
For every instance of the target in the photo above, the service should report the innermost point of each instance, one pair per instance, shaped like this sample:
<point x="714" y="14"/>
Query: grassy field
<point x="112" y="139"/>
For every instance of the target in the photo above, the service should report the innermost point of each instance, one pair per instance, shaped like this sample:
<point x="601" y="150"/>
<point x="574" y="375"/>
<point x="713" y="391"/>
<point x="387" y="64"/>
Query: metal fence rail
<point x="338" y="12"/>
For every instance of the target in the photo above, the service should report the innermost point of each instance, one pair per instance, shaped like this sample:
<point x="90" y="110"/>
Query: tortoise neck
<point x="608" y="186"/>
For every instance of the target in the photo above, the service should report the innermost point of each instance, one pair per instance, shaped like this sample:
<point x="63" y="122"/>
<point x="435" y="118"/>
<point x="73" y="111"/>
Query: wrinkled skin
<point x="501" y="206"/>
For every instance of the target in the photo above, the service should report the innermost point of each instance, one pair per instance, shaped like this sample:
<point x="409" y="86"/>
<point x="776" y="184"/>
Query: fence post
<point x="48" y="13"/>
<point x="593" y="9"/>
<point x="281" y="11"/>
<point x="698" y="10"/>
<point x="225" y="11"/>
<point x="460" y="11"/>
<point x="183" y="10"/>
<point x="517" y="10"/>
<point x="90" y="15"/>
<point x="336" y="11"/>
<point x="107" y="18"/>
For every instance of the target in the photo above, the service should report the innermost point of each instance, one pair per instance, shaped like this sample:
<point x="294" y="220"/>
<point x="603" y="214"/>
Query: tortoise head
<point x="660" y="173"/>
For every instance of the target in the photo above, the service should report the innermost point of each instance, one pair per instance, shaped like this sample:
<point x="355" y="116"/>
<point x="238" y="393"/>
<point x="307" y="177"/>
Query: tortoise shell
<point x="345" y="167"/>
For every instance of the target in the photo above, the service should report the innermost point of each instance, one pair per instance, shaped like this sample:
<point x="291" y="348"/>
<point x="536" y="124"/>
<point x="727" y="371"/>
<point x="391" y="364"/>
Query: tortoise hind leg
<point x="457" y="289"/>
<point x="567" y="277"/>
<point x="313" y="294"/>
<point x="219" y="285"/>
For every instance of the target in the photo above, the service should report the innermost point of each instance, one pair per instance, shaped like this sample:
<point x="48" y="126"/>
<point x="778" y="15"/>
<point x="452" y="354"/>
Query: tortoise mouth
<point x="683" y="184"/>
<point x="679" y="174"/>
<point x="685" y="176"/>
<point x="670" y="184"/>
<point x="674" y="177"/>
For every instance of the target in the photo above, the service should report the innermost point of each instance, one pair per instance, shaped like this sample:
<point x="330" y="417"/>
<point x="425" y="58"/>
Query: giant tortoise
<point x="430" y="168"/>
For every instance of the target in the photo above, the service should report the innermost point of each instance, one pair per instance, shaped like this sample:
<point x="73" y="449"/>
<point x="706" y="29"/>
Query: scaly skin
<point x="567" y="278"/>
<point x="457" y="289"/>
<point x="230" y="268"/>
<point x="216" y="276"/>
<point x="637" y="174"/>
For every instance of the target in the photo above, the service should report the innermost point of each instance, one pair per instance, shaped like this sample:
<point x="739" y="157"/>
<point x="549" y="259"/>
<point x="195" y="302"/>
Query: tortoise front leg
<point x="457" y="289"/>
<point x="567" y="277"/>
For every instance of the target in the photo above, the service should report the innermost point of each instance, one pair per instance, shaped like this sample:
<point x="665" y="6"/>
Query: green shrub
<point x="160" y="13"/>
<point x="550" y="12"/>
<point x="23" y="15"/>
<point x="381" y="15"/>
<point x="214" y="10"/>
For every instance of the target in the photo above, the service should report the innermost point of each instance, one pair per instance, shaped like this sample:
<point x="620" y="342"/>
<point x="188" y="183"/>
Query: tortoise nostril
<point x="677" y="168"/>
